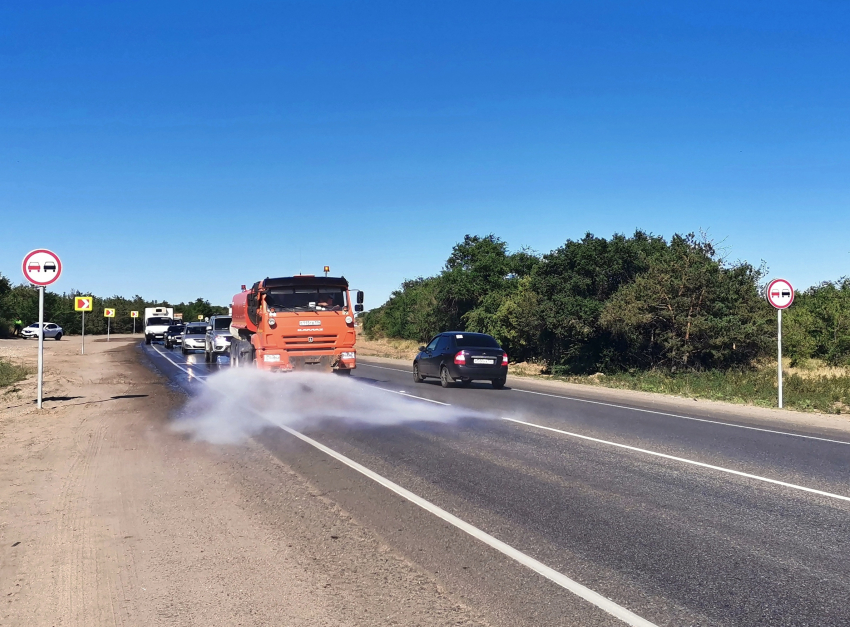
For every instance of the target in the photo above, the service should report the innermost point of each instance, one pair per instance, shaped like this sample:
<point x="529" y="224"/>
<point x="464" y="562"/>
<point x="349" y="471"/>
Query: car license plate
<point x="484" y="361"/>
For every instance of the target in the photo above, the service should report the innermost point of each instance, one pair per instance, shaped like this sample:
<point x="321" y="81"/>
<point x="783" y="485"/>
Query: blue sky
<point x="178" y="150"/>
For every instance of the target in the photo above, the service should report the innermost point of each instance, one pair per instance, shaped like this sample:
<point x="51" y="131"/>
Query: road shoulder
<point x="757" y="416"/>
<point x="110" y="518"/>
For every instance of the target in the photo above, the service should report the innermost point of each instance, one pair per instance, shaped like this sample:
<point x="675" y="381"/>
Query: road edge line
<point x="683" y="459"/>
<point x="603" y="603"/>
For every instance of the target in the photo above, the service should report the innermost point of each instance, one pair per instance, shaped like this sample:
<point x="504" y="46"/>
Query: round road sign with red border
<point x="41" y="267"/>
<point x="780" y="294"/>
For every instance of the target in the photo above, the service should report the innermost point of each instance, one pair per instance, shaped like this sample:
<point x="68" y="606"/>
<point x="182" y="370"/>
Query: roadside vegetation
<point x="21" y="301"/>
<point x="12" y="373"/>
<point x="637" y="312"/>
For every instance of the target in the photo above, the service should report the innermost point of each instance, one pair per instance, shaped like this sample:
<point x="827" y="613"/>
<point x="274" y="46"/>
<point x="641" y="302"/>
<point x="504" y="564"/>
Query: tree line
<point x="617" y="304"/>
<point x="21" y="302"/>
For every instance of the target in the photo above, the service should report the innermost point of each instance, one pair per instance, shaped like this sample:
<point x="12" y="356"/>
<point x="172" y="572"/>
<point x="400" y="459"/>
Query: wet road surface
<point x="670" y="519"/>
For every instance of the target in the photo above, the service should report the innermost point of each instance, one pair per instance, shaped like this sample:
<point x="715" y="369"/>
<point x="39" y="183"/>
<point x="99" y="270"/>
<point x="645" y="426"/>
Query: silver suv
<point x="217" y="340"/>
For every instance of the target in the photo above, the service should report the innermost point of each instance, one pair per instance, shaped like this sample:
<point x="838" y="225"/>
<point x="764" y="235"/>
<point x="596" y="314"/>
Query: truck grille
<point x="301" y="342"/>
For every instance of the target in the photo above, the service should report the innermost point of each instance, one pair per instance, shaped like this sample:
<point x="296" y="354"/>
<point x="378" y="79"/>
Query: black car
<point x="464" y="357"/>
<point x="173" y="335"/>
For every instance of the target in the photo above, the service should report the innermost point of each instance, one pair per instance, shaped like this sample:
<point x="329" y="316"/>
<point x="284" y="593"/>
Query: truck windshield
<point x="159" y="321"/>
<point x="222" y="324"/>
<point x="306" y="299"/>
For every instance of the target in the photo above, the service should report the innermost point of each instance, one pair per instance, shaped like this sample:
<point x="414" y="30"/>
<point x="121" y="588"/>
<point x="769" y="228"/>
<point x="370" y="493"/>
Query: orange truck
<point x="302" y="322"/>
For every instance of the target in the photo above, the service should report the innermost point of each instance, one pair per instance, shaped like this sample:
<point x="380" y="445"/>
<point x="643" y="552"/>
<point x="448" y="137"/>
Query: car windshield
<point x="34" y="325"/>
<point x="221" y="324"/>
<point x="475" y="341"/>
<point x="199" y="330"/>
<point x="306" y="299"/>
<point x="175" y="329"/>
<point x="159" y="320"/>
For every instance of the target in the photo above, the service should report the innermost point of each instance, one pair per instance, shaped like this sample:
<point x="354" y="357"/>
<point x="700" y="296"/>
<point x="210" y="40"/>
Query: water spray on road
<point x="240" y="402"/>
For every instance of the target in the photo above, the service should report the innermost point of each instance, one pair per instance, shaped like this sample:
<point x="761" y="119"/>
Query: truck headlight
<point x="348" y="356"/>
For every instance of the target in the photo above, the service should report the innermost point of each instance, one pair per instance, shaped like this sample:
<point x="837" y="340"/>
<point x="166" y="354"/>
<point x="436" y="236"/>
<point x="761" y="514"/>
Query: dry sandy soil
<point x="107" y="517"/>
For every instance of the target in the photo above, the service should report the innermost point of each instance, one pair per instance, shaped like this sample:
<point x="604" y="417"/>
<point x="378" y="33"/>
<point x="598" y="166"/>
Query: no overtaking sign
<point x="780" y="294"/>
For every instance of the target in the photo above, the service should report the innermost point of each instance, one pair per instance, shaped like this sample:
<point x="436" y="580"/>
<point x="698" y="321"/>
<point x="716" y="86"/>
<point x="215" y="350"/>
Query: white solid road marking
<point x="652" y="411"/>
<point x="682" y="459"/>
<point x="661" y="413"/>
<point x="191" y="374"/>
<point x="384" y="367"/>
<point x="648" y="452"/>
<point x="562" y="580"/>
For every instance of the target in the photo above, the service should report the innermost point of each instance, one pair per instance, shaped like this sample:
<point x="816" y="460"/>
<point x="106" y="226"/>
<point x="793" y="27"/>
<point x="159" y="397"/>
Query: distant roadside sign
<point x="134" y="314"/>
<point x="780" y="294"/>
<point x="178" y="316"/>
<point x="200" y="317"/>
<point x="41" y="267"/>
<point x="108" y="313"/>
<point x="83" y="303"/>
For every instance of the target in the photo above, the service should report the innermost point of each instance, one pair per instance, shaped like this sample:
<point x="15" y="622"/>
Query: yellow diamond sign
<point x="83" y="303"/>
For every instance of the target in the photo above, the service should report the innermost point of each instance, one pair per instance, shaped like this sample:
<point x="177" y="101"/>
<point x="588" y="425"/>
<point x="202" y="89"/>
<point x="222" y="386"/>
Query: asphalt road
<point x="686" y="519"/>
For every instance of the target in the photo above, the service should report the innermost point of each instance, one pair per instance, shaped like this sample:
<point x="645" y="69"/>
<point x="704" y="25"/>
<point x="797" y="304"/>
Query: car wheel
<point x="206" y="356"/>
<point x="445" y="379"/>
<point x="418" y="378"/>
<point x="499" y="383"/>
<point x="58" y="337"/>
<point x="183" y="350"/>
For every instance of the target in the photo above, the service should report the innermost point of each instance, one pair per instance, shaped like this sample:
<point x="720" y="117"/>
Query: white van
<point x="157" y="321"/>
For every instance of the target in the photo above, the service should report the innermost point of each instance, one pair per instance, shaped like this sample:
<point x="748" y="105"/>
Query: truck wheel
<point x="345" y="372"/>
<point x="445" y="379"/>
<point x="234" y="359"/>
<point x="147" y="339"/>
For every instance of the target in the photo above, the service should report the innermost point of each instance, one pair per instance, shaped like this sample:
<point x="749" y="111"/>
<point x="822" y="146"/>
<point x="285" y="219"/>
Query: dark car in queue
<point x="173" y="335"/>
<point x="463" y="357"/>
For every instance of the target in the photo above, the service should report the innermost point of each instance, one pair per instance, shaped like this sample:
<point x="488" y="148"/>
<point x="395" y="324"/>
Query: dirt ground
<point x="109" y="518"/>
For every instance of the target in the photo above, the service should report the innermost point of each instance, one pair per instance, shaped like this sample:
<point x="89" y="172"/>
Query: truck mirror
<point x="359" y="298"/>
<point x="358" y="307"/>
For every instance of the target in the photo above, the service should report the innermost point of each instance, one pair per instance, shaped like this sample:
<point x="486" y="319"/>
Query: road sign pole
<point x="40" y="343"/>
<point x="779" y="351"/>
<point x="108" y="320"/>
<point x="134" y="326"/>
<point x="83" y="351"/>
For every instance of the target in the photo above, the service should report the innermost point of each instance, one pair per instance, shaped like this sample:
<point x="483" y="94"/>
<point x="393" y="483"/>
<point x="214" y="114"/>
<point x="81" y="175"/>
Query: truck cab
<point x="295" y="323"/>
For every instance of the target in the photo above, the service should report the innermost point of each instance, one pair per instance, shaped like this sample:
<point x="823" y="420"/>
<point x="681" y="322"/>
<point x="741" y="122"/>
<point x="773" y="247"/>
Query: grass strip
<point x="828" y="394"/>
<point x="12" y="373"/>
